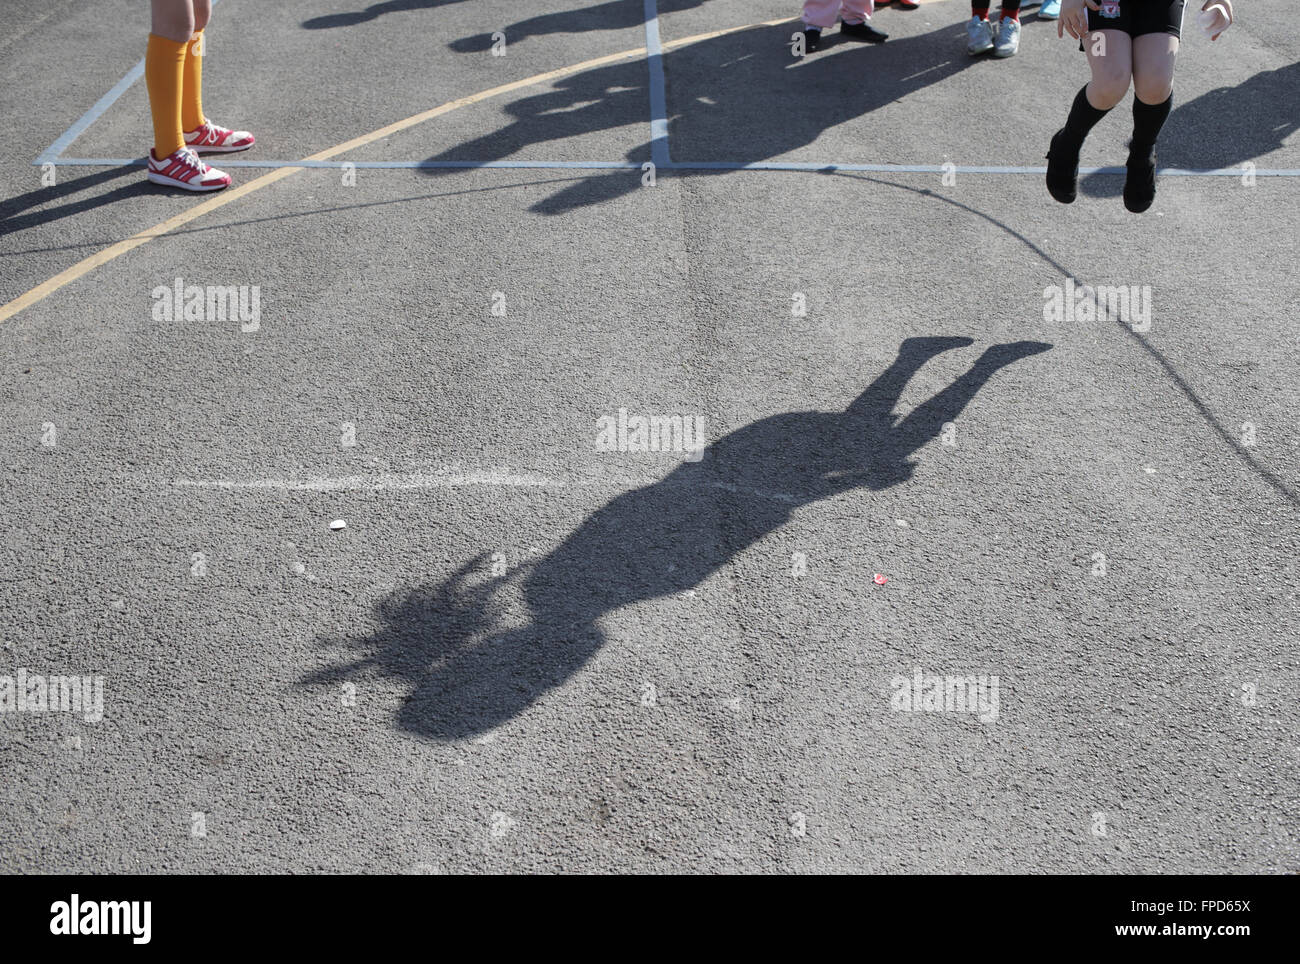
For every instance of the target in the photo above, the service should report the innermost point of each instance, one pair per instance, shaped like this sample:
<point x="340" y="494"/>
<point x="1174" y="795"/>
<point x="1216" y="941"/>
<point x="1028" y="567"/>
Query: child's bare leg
<point x="1110" y="56"/>
<point x="1154" y="55"/>
<point x="174" y="19"/>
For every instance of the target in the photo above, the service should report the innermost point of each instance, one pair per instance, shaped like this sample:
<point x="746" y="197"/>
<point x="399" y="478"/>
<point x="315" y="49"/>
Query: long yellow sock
<point x="164" y="71"/>
<point x="192" y="100"/>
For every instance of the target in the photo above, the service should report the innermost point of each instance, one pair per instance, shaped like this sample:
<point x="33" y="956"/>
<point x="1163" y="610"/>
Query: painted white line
<point x="1216" y="172"/>
<point x="928" y="70"/>
<point x="372" y="483"/>
<point x="452" y="480"/>
<point x="65" y="139"/>
<point x="658" y="90"/>
<point x="812" y="166"/>
<point x="831" y="168"/>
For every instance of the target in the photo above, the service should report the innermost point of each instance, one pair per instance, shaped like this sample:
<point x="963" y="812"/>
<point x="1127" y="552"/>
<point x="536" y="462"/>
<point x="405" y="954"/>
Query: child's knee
<point x="1109" y="85"/>
<point x="1152" y="90"/>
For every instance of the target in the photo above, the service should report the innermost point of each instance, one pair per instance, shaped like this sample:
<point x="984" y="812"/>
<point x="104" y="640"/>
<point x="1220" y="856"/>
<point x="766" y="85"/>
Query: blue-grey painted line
<point x="513" y="165"/>
<point x="65" y="139"/>
<point x="658" y="88"/>
<point x="815" y="168"/>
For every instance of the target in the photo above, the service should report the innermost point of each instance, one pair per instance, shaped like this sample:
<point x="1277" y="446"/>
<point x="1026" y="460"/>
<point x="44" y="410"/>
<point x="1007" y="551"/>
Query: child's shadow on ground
<point x="20" y="213"/>
<point x="762" y="102"/>
<point x="613" y="15"/>
<point x="468" y="675"/>
<point x="1223" y="128"/>
<point x="352" y="18"/>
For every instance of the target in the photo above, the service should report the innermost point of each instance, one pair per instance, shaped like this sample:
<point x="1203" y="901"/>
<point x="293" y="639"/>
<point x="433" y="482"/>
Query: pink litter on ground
<point x="881" y="580"/>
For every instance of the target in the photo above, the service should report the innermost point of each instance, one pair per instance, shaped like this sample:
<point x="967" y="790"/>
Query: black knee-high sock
<point x="1083" y="117"/>
<point x="1147" y="121"/>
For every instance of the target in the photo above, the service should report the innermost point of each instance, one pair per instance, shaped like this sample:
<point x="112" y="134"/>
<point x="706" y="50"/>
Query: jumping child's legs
<point x="1154" y="55"/>
<point x="1110" y="57"/>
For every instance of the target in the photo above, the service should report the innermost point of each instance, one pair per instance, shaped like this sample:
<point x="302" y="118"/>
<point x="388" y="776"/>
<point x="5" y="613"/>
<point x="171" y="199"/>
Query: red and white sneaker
<point x="211" y="139"/>
<point x="183" y="169"/>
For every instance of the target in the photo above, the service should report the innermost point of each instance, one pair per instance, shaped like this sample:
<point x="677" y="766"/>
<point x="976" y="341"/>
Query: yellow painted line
<point x="231" y="194"/>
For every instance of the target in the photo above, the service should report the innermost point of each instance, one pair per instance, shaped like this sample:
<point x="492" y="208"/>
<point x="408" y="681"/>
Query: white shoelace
<point x="192" y="160"/>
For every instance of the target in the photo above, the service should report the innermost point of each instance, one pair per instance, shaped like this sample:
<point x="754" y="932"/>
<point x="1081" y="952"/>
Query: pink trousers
<point x="822" y="13"/>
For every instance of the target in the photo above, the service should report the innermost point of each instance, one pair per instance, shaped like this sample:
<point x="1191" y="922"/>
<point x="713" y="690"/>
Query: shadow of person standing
<point x="351" y="18"/>
<point x="742" y="96"/>
<point x="612" y="15"/>
<point x="468" y="675"/>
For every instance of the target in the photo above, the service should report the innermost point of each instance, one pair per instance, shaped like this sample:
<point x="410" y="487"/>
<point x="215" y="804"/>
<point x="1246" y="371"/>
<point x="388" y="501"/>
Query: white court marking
<point x="386" y="481"/>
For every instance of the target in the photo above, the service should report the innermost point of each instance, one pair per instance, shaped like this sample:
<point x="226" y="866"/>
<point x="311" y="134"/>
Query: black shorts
<point x="1138" y="17"/>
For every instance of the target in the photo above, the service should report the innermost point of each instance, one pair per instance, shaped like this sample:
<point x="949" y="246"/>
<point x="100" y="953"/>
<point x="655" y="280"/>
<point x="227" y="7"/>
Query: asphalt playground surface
<point x="524" y="653"/>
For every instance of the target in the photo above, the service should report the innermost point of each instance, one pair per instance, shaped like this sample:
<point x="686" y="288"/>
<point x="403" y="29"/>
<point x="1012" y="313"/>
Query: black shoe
<point x="1140" y="184"/>
<point x="862" y="32"/>
<point x="812" y="40"/>
<point x="1062" y="170"/>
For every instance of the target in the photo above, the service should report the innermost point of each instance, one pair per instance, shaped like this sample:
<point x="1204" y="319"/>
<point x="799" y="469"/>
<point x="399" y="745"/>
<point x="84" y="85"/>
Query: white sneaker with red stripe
<point x="212" y="139"/>
<point x="183" y="169"/>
